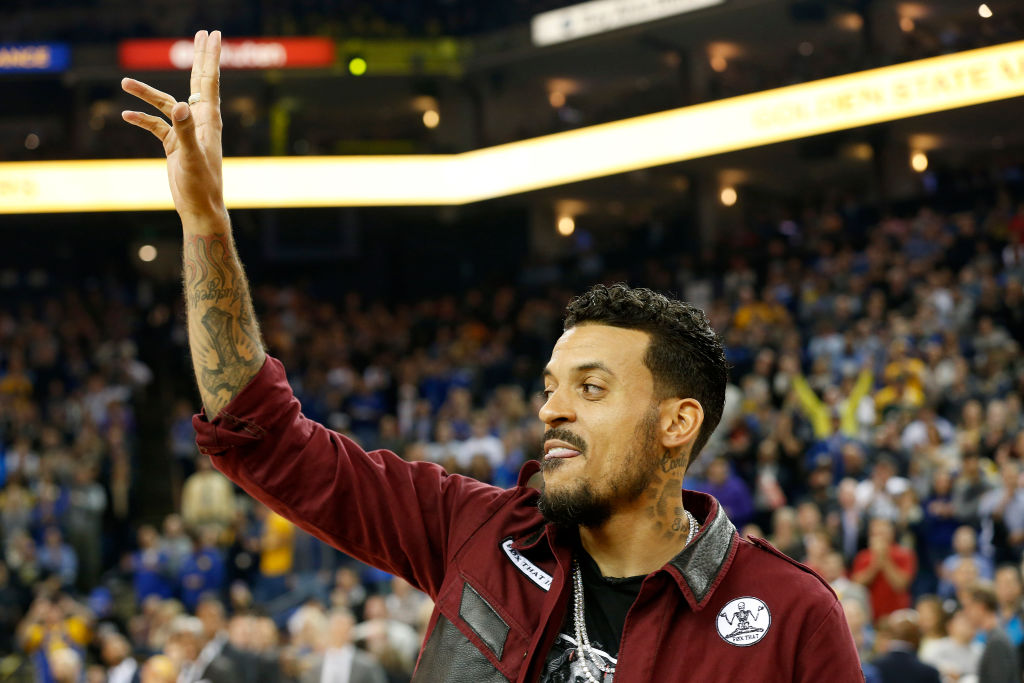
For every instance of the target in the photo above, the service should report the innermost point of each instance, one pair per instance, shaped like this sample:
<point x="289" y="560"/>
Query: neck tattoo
<point x="586" y="652"/>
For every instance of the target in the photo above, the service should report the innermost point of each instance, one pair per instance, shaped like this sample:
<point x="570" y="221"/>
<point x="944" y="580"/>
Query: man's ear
<point x="681" y="420"/>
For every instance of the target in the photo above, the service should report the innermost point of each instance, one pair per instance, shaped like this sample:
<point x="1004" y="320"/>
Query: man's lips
<point x="554" y="449"/>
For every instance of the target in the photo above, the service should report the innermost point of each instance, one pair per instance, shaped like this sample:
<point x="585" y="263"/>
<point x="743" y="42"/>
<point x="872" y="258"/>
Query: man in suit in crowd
<point x="341" y="662"/>
<point x="899" y="663"/>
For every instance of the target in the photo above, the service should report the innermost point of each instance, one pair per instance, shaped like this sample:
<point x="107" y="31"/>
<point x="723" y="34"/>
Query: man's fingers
<point x="149" y="94"/>
<point x="209" y="83"/>
<point x="198" y="60"/>
<point x="154" y="124"/>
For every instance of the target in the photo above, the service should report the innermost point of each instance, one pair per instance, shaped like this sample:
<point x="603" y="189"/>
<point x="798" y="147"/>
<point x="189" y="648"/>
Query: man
<point x="833" y="571"/>
<point x="998" y="662"/>
<point x="527" y="585"/>
<point x="965" y="546"/>
<point x="1002" y="514"/>
<point x="116" y="654"/>
<point x="900" y="636"/>
<point x="885" y="568"/>
<point x="1010" y="594"/>
<point x="955" y="656"/>
<point x="341" y="662"/>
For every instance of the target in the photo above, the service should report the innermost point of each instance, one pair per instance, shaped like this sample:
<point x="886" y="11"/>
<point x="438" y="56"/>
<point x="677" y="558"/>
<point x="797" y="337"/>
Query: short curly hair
<point x="685" y="355"/>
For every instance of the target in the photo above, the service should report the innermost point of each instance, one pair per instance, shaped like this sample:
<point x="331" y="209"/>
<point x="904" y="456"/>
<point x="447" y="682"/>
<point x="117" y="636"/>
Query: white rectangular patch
<point x="535" y="573"/>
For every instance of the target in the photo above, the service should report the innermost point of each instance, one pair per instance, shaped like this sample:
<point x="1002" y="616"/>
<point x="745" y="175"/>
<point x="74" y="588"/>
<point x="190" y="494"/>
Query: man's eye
<point x="546" y="394"/>
<point x="591" y="389"/>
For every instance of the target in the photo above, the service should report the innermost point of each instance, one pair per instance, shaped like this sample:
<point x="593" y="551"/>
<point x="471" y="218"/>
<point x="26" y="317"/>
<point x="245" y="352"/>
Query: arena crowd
<point x="873" y="430"/>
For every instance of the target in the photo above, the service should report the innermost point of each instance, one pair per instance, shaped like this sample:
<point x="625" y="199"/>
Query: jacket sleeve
<point x="405" y="518"/>
<point x="828" y="653"/>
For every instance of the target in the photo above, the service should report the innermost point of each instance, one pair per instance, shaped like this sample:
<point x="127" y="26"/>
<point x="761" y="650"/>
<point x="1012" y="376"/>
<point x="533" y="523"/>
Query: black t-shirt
<point x="605" y="604"/>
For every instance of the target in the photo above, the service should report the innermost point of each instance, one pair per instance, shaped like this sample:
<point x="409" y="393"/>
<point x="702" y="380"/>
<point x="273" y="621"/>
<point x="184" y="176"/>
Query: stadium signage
<point x="244" y="53"/>
<point x="859" y="99"/>
<point x="34" y="57"/>
<point x="601" y="16"/>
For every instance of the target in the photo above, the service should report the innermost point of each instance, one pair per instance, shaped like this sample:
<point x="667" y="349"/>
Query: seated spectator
<point x="1010" y="596"/>
<point x="207" y="498"/>
<point x="833" y="571"/>
<point x="898" y="640"/>
<point x="150" y="567"/>
<point x="931" y="618"/>
<point x="116" y="654"/>
<point x="203" y="571"/>
<point x="860" y="626"/>
<point x="1003" y="512"/>
<point x="998" y="663"/>
<point x="885" y="568"/>
<point x="277" y="554"/>
<point x="159" y="669"/>
<point x="57" y="557"/>
<point x="955" y="656"/>
<point x="730" y="490"/>
<point x="339" y="660"/>
<point x="184" y="646"/>
<point x="175" y="543"/>
<point x="965" y="545"/>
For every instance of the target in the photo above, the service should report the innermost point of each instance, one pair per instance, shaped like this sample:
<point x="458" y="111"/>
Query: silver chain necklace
<point x="587" y="655"/>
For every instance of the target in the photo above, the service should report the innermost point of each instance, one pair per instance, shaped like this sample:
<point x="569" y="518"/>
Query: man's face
<point x="1007" y="586"/>
<point x="602" y="446"/>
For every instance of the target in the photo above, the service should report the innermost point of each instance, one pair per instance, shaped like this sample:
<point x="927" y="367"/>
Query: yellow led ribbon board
<point x="849" y="101"/>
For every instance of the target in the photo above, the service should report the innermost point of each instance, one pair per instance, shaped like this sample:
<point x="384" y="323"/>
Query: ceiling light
<point x="566" y="226"/>
<point x="919" y="162"/>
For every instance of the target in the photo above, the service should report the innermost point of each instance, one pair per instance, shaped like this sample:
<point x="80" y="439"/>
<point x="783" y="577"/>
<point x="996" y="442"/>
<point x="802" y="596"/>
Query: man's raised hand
<point x="192" y="141"/>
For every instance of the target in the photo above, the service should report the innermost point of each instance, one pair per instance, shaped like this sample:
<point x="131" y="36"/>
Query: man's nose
<point x="557" y="409"/>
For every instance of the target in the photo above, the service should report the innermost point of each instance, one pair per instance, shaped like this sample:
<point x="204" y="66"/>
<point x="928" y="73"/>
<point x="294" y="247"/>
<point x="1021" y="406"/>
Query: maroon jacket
<point x="724" y="609"/>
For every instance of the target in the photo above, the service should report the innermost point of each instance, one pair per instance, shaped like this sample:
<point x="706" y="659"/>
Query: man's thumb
<point x="184" y="126"/>
<point x="180" y="112"/>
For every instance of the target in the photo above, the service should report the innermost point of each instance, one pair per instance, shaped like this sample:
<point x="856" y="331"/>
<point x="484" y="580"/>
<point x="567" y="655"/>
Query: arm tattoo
<point x="223" y="334"/>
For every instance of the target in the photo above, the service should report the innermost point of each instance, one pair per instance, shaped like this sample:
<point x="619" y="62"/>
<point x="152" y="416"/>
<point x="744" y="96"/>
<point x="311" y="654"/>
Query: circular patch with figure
<point x="744" y="621"/>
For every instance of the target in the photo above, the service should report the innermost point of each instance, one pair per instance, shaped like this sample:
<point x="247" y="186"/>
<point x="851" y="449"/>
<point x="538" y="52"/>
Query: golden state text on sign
<point x="859" y="99"/>
<point x="895" y="92"/>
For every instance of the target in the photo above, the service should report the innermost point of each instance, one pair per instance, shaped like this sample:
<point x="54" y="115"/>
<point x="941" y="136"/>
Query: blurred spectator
<point x="207" y="498"/>
<point x="340" y="661"/>
<point x="860" y="626"/>
<point x="276" y="555"/>
<point x="885" y="568"/>
<point x="1010" y="595"/>
<point x="965" y="543"/>
<point x="832" y="570"/>
<point x="57" y="557"/>
<point x="175" y="543"/>
<point x="159" y="669"/>
<point x="203" y="570"/>
<point x="1003" y="512"/>
<point x="116" y="654"/>
<point x="730" y="490"/>
<point x="151" y="568"/>
<point x="898" y="640"/>
<point x="955" y="656"/>
<point x="394" y="643"/>
<point x="88" y="503"/>
<point x="998" y="663"/>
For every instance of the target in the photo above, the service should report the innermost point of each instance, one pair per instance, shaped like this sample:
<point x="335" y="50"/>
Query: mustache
<point x="563" y="434"/>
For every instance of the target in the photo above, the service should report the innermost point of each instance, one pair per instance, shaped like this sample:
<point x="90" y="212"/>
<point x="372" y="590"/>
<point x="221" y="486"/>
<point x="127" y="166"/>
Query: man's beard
<point x="578" y="503"/>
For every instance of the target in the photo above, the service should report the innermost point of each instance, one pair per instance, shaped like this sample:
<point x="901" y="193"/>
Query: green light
<point x="357" y="66"/>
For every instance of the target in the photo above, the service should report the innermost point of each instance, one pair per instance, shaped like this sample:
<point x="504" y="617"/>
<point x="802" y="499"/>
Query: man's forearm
<point x="223" y="334"/>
